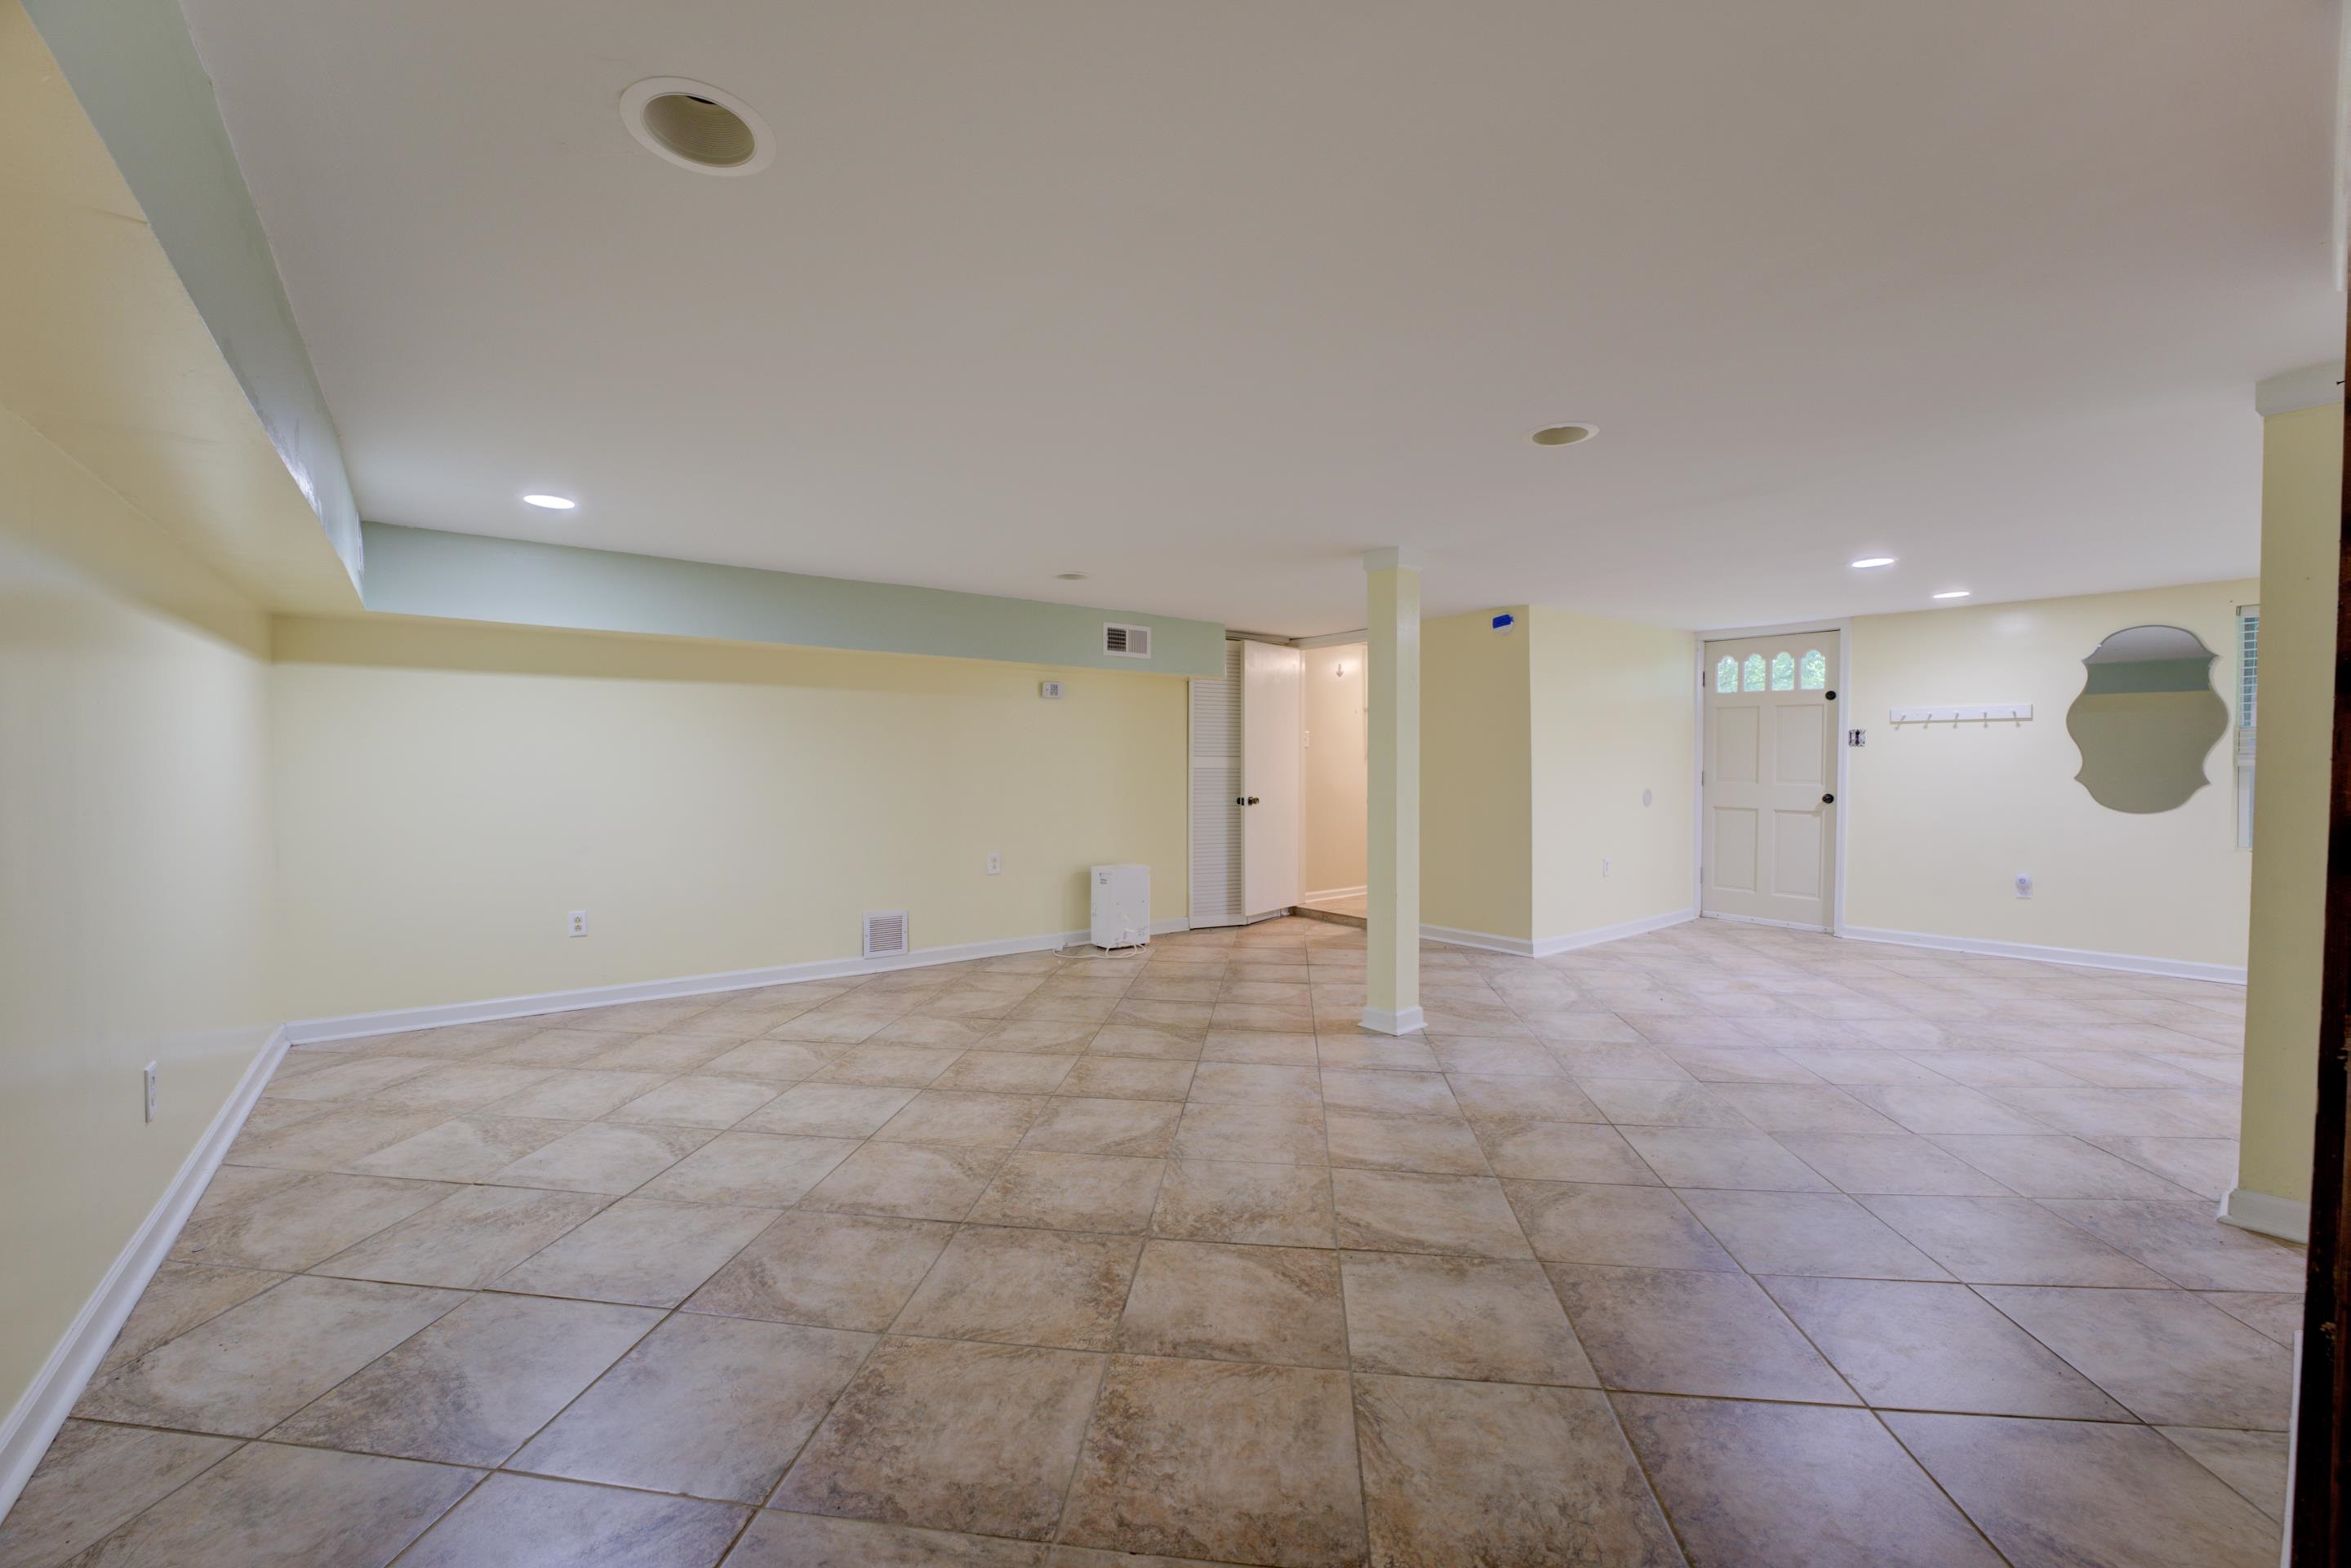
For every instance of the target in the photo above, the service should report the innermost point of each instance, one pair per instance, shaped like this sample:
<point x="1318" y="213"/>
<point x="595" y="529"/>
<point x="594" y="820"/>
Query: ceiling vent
<point x="885" y="933"/>
<point x="1126" y="642"/>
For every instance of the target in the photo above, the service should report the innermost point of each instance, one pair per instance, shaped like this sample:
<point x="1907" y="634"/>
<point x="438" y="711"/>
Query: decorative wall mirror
<point x="2147" y="718"/>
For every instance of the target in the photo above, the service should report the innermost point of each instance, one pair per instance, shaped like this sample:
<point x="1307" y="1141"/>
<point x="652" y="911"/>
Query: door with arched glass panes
<point x="1769" y="826"/>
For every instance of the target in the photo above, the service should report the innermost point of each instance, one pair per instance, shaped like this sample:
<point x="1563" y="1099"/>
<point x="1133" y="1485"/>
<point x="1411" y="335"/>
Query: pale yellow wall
<point x="1476" y="776"/>
<point x="1941" y="819"/>
<point x="2301" y="465"/>
<point x="1614" y="707"/>
<point x="449" y="792"/>
<point x="1335" y="768"/>
<point x="134" y="878"/>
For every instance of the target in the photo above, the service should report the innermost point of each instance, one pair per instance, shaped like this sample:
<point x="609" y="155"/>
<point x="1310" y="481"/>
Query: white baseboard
<point x="25" y="1435"/>
<point x="1332" y="893"/>
<point x="2270" y="1215"/>
<point x="2177" y="968"/>
<point x="1404" y="1020"/>
<point x="1544" y="947"/>
<point x="397" y="1020"/>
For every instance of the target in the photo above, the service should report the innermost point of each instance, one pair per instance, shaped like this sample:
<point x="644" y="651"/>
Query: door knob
<point x="1252" y="799"/>
<point x="1828" y="800"/>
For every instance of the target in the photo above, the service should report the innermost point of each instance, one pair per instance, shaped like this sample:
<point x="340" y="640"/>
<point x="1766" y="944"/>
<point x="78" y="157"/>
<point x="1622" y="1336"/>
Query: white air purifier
<point x="1122" y="906"/>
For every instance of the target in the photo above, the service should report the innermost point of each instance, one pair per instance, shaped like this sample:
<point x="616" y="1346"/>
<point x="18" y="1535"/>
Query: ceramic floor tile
<point x="2171" y="1358"/>
<point x="2007" y="1241"/>
<point x="1232" y="1303"/>
<point x="2277" y="1314"/>
<point x="463" y="1148"/>
<point x="524" y="1521"/>
<point x="1336" y="1045"/>
<point x="579" y="1095"/>
<point x="1269" y="1131"/>
<point x="284" y="1221"/>
<point x="1523" y="1150"/>
<point x="2205" y="1166"/>
<point x="2184" y="1243"/>
<point x="830" y="1270"/>
<point x="1396" y="1211"/>
<point x="471" y="1388"/>
<point x="1024" y="1287"/>
<point x="750" y="1170"/>
<point x="1809" y="1233"/>
<point x="1900" y="1163"/>
<point x="1271" y="1205"/>
<point x="963" y="1117"/>
<point x="1086" y="1125"/>
<point x="456" y="1086"/>
<point x="2253" y="1464"/>
<point x="466" y="1240"/>
<point x="777" y="1062"/>
<point x="696" y="1100"/>
<point x="1650" y="1226"/>
<point x="604" y="1157"/>
<point x="1478" y="1318"/>
<point x="1006" y="1072"/>
<point x="951" y="1435"/>
<point x="1103" y="1193"/>
<point x="1221" y="1459"/>
<point x="270" y="1506"/>
<point x="709" y="1407"/>
<point x="93" y="1479"/>
<point x="1672" y="1332"/>
<point x="892" y="1066"/>
<point x="2058" y="1164"/>
<point x="257" y="1363"/>
<point x="2072" y="1494"/>
<point x="828" y="1111"/>
<point x="1479" y="1472"/>
<point x="556" y="1048"/>
<point x="1265" y="1046"/>
<point x="1721" y="1157"/>
<point x="908" y="1181"/>
<point x="779" y="1540"/>
<point x="1782" y="1486"/>
<point x="1662" y="1103"/>
<point x="179" y="1297"/>
<point x="640" y="1251"/>
<point x="351" y="1079"/>
<point x="1936" y="1347"/>
<point x="333" y="1139"/>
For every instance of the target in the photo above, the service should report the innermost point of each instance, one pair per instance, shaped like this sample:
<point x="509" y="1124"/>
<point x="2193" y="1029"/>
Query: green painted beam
<point x="471" y="576"/>
<point x="134" y="68"/>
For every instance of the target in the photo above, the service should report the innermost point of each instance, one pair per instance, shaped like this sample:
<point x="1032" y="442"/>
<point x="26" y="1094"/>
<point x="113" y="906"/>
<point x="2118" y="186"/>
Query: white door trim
<point x="1842" y="626"/>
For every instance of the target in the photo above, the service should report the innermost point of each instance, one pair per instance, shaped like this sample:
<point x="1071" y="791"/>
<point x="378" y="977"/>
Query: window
<point x="1783" y="671"/>
<point x="1815" y="667"/>
<point x="1754" y="673"/>
<point x="2249" y="638"/>
<point x="1726" y="675"/>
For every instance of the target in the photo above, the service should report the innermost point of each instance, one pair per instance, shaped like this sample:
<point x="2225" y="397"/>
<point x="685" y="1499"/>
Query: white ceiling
<point x="1205" y="297"/>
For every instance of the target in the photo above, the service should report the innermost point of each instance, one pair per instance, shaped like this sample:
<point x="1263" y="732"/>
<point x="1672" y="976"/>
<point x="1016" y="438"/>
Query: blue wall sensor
<point x="1502" y="623"/>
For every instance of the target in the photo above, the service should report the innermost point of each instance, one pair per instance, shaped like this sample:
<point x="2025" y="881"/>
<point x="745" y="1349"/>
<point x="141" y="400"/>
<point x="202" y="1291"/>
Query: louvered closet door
<point x="1216" y="784"/>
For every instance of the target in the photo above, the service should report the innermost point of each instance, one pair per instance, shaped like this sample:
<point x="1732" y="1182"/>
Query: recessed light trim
<point x="1871" y="562"/>
<point x="1953" y="593"/>
<point x="1563" y="434"/>
<point x="697" y="126"/>
<point x="551" y="503"/>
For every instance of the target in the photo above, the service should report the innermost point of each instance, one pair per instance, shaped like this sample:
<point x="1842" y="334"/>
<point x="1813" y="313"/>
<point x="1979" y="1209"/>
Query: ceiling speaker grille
<point x="885" y="933"/>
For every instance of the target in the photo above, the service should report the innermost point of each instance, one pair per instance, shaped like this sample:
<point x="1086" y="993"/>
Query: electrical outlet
<point x="995" y="862"/>
<point x="579" y="927"/>
<point x="150" y="1091"/>
<point x="1604" y="866"/>
<point x="2023" y="884"/>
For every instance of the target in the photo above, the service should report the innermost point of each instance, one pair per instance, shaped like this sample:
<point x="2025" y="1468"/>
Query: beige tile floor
<point x="1726" y="1245"/>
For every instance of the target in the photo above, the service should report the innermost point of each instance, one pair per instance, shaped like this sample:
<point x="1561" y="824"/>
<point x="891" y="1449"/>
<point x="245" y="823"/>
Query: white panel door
<point x="1273" y="777"/>
<point x="1216" y="780"/>
<point x="1771" y="779"/>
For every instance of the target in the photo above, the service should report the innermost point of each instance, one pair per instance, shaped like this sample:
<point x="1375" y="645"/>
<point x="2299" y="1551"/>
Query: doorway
<point x="1246" y="782"/>
<point x="1768" y="824"/>
<point x="1337" y="794"/>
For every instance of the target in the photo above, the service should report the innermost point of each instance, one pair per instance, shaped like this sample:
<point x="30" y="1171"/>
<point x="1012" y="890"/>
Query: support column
<point x="1392" y="670"/>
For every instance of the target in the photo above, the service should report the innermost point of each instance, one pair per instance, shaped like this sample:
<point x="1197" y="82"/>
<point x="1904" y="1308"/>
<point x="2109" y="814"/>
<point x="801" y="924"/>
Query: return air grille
<point x="885" y="933"/>
<point x="1126" y="642"/>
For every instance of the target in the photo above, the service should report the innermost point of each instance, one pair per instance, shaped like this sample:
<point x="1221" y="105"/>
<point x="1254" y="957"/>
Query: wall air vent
<point x="885" y="933"/>
<point x="1126" y="642"/>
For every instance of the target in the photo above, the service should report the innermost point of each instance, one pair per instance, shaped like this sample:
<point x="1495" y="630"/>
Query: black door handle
<point x="1828" y="800"/>
<point x="1240" y="800"/>
<point x="1252" y="799"/>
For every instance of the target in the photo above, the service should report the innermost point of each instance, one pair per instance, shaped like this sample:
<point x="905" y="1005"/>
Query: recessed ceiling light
<point x="552" y="503"/>
<point x="1069" y="577"/>
<point x="1565" y="434"/>
<point x="697" y="126"/>
<point x="1865" y="562"/>
<point x="1954" y="593"/>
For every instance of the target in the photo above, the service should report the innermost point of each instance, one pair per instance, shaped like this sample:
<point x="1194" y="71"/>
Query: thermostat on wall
<point x="1049" y="689"/>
